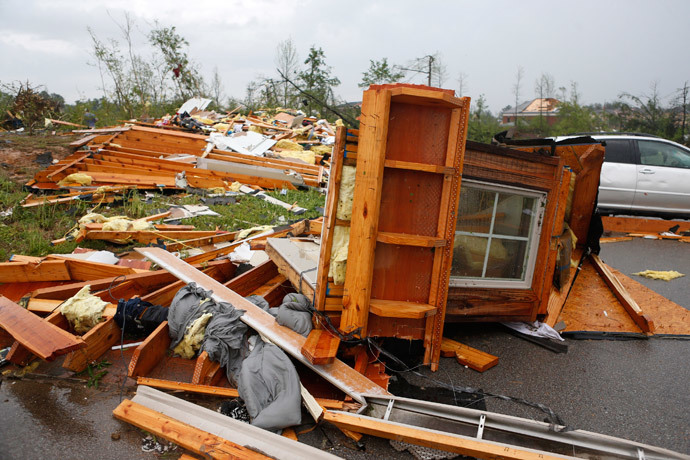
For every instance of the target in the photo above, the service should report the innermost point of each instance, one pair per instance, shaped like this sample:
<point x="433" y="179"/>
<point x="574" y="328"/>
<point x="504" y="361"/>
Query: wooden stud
<point x="98" y="341"/>
<point x="468" y="356"/>
<point x="321" y="347"/>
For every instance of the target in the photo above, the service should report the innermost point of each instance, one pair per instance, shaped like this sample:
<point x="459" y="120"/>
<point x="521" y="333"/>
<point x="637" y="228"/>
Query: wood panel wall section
<point x="544" y="173"/>
<point x="409" y="162"/>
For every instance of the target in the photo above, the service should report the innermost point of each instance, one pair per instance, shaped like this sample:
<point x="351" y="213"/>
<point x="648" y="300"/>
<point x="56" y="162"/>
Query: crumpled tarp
<point x="270" y="387"/>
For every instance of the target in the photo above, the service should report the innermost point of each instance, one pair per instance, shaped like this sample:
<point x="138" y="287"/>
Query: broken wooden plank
<point x="98" y="340"/>
<point x="27" y="272"/>
<point x="643" y="321"/>
<point x="321" y="347"/>
<point x="39" y="336"/>
<point x="642" y="225"/>
<point x="338" y="373"/>
<point x="182" y="434"/>
<point x="468" y="356"/>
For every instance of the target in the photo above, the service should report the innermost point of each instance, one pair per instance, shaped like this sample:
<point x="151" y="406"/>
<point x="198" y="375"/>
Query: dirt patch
<point x="19" y="153"/>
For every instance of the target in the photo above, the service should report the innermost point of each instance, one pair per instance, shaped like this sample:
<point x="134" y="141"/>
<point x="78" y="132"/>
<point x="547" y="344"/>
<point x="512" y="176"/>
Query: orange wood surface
<point x="39" y="336"/>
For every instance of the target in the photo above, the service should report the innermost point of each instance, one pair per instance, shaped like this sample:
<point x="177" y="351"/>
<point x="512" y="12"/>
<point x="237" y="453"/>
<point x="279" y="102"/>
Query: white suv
<point x="643" y="175"/>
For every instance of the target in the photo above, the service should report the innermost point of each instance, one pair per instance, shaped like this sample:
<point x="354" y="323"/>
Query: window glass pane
<point x="513" y="215"/>
<point x="654" y="153"/>
<point x="476" y="207"/>
<point x="506" y="259"/>
<point x="619" y="151"/>
<point x="468" y="256"/>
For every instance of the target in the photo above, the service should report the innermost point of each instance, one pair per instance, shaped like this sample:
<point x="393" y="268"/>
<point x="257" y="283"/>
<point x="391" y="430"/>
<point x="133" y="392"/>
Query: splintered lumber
<point x="641" y="225"/>
<point x="468" y="356"/>
<point x="26" y="272"/>
<point x="586" y="189"/>
<point x="98" y="340"/>
<point x="182" y="434"/>
<point x="462" y="445"/>
<point x="42" y="338"/>
<point x="321" y="347"/>
<point x="338" y="373"/>
<point x="643" y="321"/>
<point x="205" y="370"/>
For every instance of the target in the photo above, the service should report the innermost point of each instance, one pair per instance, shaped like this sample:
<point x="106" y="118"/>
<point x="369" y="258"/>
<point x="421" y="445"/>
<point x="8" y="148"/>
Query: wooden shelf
<point x="425" y="167"/>
<point x="400" y="309"/>
<point x="404" y="239"/>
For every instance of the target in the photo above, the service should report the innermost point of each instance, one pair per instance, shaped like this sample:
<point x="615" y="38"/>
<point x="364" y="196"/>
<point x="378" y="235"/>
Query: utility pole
<point x="685" y="109"/>
<point x="431" y="60"/>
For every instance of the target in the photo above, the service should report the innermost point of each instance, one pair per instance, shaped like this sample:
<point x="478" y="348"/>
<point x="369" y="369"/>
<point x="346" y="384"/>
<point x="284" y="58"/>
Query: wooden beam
<point x="321" y="347"/>
<point x="468" y="356"/>
<point x="641" y="225"/>
<point x="188" y="387"/>
<point x="182" y="434"/>
<point x="365" y="210"/>
<point x="204" y="369"/>
<point x="643" y="322"/>
<point x="458" y="444"/>
<point x="39" y="336"/>
<point x="26" y="272"/>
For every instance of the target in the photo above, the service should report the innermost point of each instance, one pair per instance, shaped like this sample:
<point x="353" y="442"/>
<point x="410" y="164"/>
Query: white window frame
<point x="532" y="239"/>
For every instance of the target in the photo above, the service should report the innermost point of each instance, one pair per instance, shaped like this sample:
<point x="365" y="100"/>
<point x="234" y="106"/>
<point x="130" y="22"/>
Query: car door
<point x="618" y="175"/>
<point x="663" y="177"/>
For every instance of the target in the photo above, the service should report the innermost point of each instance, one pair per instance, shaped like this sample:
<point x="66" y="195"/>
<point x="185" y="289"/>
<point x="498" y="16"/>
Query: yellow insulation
<point x="322" y="149"/>
<point x="306" y="155"/>
<point x="80" y="178"/>
<point x="347" y="192"/>
<point x="667" y="275"/>
<point x="193" y="337"/>
<point x="338" y="266"/>
<point x="288" y="145"/>
<point x="83" y="310"/>
<point x="252" y="231"/>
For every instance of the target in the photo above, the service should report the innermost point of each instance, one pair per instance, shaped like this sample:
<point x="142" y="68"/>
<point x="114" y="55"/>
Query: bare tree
<point x="544" y="87"/>
<point x="432" y="65"/>
<point x="216" y="88"/>
<point x="287" y="62"/>
<point x="516" y="90"/>
<point x="462" y="83"/>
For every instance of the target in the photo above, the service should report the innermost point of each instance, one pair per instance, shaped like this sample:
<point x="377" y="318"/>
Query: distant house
<point x="545" y="107"/>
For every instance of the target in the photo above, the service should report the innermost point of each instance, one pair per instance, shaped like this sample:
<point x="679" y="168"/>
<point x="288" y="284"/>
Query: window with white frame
<point x="497" y="235"/>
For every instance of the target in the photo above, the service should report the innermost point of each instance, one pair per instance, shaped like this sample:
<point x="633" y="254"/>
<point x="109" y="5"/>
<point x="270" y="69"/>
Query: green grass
<point x="29" y="231"/>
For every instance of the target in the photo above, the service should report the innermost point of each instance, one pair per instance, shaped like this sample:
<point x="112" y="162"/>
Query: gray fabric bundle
<point x="266" y="379"/>
<point x="187" y="307"/>
<point x="270" y="387"/>
<point x="295" y="313"/>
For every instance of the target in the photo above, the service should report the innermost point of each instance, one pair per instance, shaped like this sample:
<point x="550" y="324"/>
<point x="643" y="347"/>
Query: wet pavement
<point x="635" y="389"/>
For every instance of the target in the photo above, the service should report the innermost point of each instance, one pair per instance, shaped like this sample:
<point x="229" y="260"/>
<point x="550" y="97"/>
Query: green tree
<point x="574" y="117"/>
<point x="380" y="72"/>
<point x="317" y="81"/>
<point x="482" y="125"/>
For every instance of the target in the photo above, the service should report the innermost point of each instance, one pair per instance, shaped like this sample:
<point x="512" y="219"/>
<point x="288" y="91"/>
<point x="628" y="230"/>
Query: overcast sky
<point x="606" y="46"/>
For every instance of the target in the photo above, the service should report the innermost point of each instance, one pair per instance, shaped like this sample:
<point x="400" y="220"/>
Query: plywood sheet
<point x="592" y="307"/>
